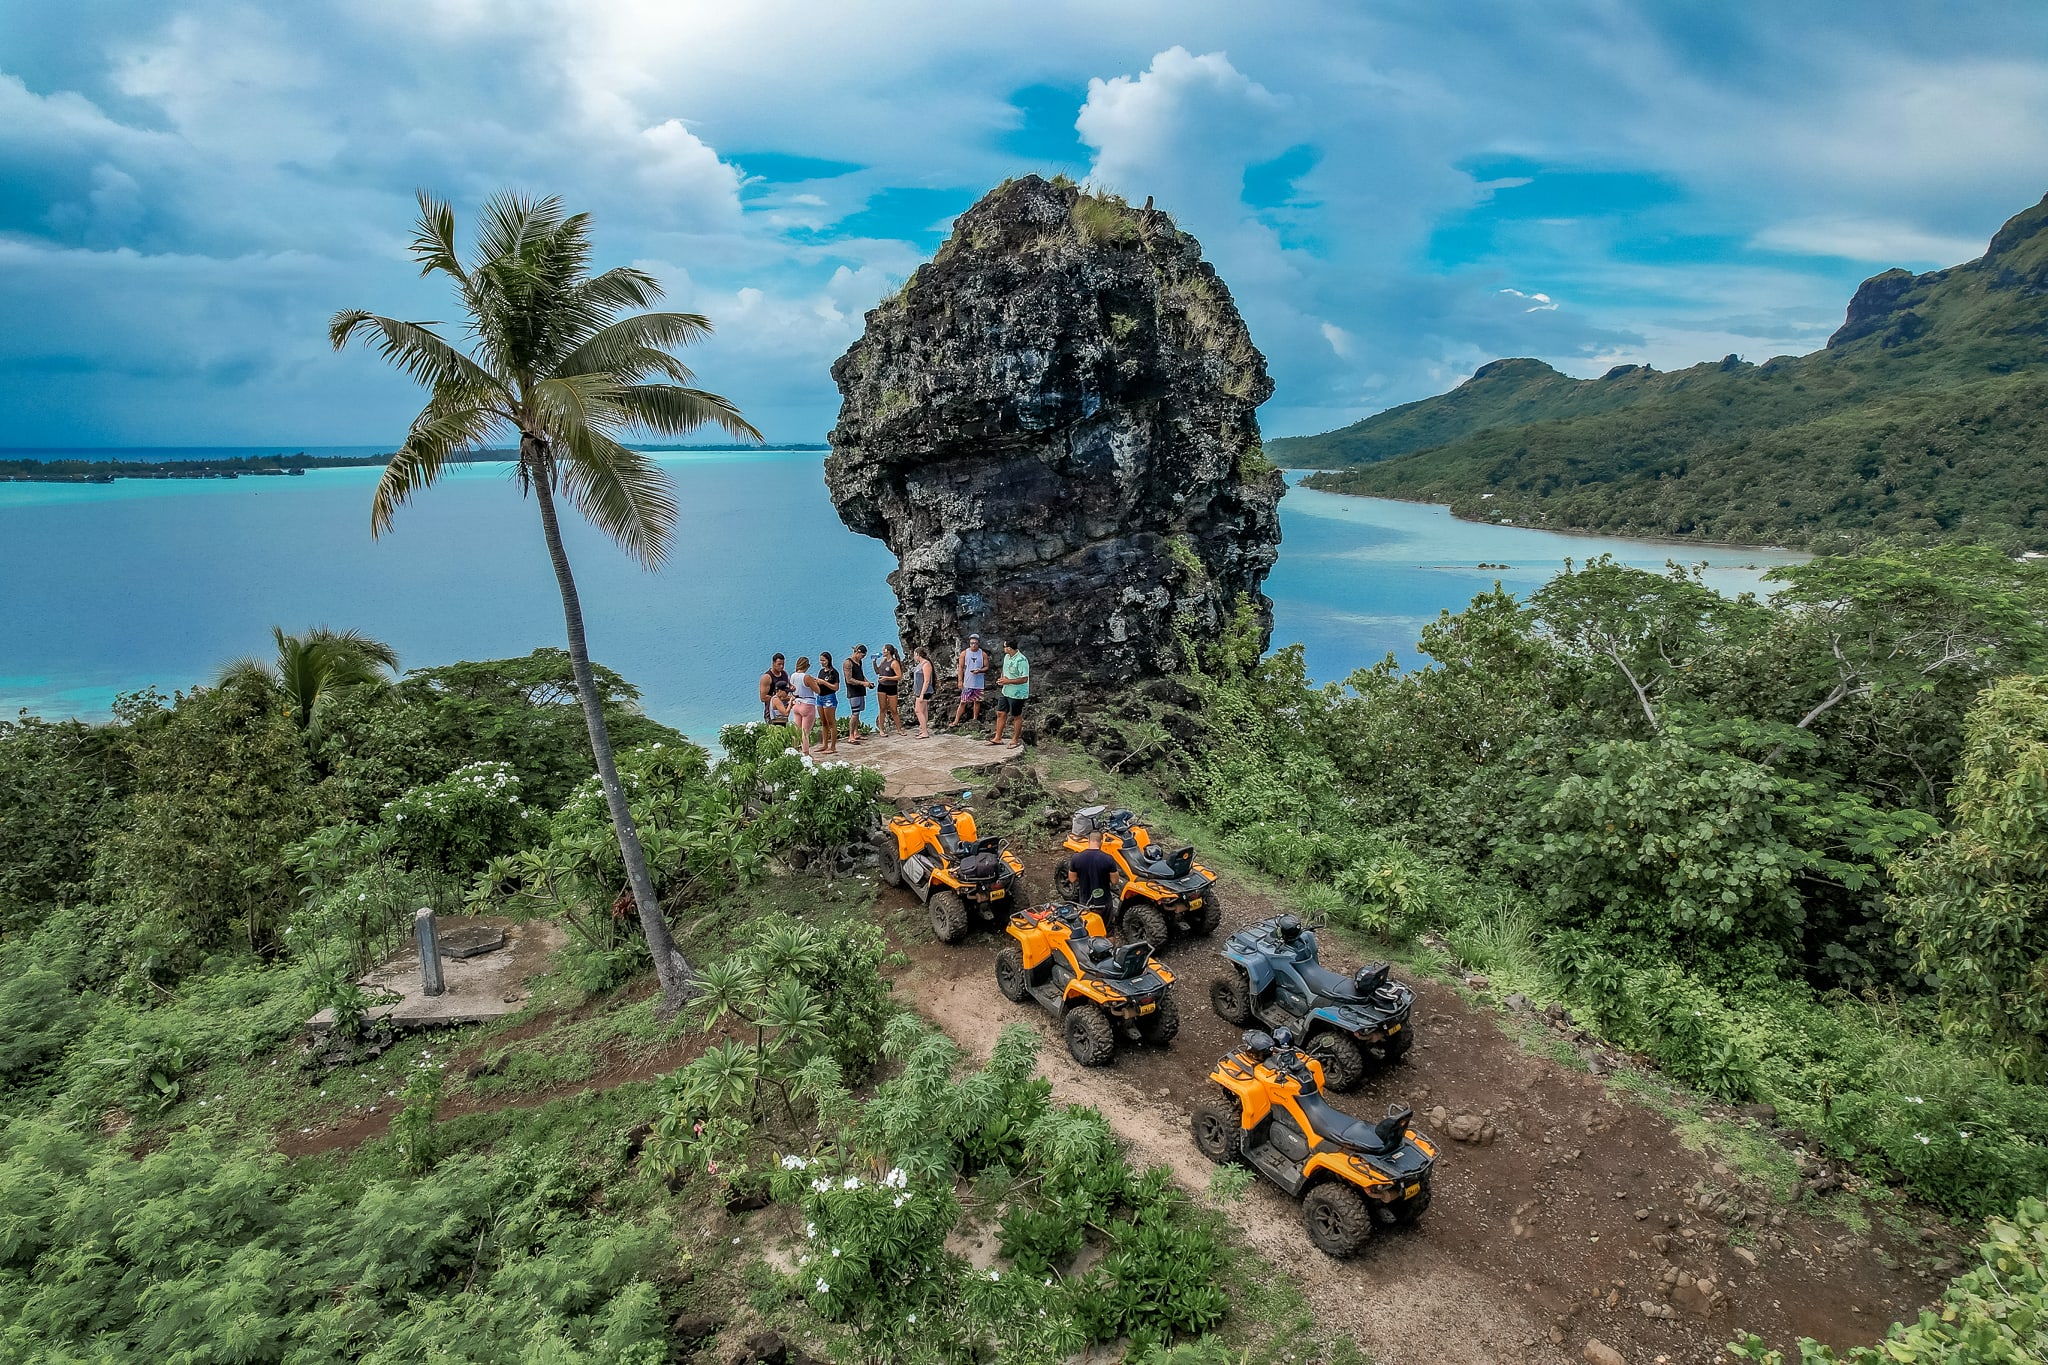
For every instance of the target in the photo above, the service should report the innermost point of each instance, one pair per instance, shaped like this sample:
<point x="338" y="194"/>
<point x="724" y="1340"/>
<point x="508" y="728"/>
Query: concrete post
<point x="430" y="952"/>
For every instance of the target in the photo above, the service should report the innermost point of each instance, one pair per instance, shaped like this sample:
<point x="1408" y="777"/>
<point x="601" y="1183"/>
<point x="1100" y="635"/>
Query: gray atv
<point x="1271" y="977"/>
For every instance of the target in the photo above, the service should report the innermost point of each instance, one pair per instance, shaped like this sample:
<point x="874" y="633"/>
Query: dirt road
<point x="1533" y="1244"/>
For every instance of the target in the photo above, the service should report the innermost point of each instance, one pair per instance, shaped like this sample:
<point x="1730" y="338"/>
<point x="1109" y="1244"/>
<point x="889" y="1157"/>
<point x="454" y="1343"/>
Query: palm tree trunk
<point x="678" y="978"/>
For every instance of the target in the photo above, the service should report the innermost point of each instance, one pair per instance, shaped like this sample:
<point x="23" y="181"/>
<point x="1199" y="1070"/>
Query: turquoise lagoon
<point x="106" y="588"/>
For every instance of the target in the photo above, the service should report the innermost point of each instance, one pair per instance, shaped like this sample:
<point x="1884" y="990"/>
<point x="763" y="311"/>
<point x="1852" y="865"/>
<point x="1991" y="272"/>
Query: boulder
<point x="1598" y="1352"/>
<point x="1051" y="425"/>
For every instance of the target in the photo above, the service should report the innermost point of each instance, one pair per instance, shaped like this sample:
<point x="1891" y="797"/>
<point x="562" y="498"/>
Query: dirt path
<point x="1533" y="1244"/>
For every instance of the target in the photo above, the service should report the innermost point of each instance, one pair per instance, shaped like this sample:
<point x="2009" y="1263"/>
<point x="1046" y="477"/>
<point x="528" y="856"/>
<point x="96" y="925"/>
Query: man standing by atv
<point x="1091" y="870"/>
<point x="971" y="675"/>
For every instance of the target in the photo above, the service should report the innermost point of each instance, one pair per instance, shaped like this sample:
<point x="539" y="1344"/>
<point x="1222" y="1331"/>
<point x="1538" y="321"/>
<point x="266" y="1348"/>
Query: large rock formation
<point x="1052" y="426"/>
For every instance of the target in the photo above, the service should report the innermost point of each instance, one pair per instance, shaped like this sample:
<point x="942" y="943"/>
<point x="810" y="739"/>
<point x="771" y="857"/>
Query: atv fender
<point x="1328" y="1016"/>
<point x="1258" y="968"/>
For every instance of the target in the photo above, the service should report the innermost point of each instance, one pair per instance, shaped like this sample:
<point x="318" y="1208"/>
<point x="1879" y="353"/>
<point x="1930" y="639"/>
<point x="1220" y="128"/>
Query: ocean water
<point x="106" y="588"/>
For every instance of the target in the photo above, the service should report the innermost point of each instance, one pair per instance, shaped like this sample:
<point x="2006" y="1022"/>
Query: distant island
<point x="1925" y="418"/>
<point x="86" y="470"/>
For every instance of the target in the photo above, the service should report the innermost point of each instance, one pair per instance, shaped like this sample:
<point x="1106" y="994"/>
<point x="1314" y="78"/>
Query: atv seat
<point x="1170" y="868"/>
<point x="1325" y="982"/>
<point x="1103" y="956"/>
<point x="1118" y="821"/>
<point x="1334" y="1125"/>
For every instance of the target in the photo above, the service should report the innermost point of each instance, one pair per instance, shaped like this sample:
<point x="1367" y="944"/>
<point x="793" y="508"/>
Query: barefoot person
<point x="856" y="691"/>
<point x="923" y="677"/>
<point x="775" y="692"/>
<point x="826" y="678"/>
<point x="969" y="675"/>
<point x="803" y="702"/>
<point x="1016" y="690"/>
<point x="888" y="681"/>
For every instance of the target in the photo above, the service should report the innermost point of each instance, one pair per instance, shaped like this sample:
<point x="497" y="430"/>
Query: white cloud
<point x="1537" y="303"/>
<point x="1862" y="239"/>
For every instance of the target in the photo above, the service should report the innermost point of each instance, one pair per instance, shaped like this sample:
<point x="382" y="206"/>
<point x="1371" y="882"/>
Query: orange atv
<point x="1064" y="959"/>
<point x="1162" y="889"/>
<point x="1272" y="1117"/>
<point x="937" y="852"/>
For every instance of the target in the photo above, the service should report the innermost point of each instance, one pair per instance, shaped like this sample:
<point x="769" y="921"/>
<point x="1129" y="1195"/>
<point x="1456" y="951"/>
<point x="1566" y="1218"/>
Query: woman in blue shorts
<point x="827" y="679"/>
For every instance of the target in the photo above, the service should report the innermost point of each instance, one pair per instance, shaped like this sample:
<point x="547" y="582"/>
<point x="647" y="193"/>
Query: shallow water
<point x="110" y="587"/>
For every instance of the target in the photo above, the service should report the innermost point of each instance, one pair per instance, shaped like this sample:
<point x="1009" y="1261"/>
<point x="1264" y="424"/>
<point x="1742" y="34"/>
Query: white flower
<point x="790" y="752"/>
<point x="1914" y="1099"/>
<point x="995" y="1275"/>
<point x="851" y="1182"/>
<point x="823" y="1288"/>
<point x="793" y="1163"/>
<point x="899" y="1201"/>
<point x="835" y="1253"/>
<point x="810" y="1229"/>
<point x="1963" y="1135"/>
<point x="821" y="1184"/>
<point x="896" y="1179"/>
<point x="913" y="1319"/>
<point x="1923" y="1138"/>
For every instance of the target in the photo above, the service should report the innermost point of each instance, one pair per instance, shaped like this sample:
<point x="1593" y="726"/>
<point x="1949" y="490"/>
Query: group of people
<point x="808" y="695"/>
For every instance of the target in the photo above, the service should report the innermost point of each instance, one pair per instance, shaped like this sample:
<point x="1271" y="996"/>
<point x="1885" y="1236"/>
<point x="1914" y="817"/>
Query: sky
<point x="1395" y="192"/>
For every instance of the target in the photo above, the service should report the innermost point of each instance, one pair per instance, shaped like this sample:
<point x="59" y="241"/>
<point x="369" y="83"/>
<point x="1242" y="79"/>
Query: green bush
<point x="1974" y="903"/>
<point x="456" y="825"/>
<point x="192" y="1252"/>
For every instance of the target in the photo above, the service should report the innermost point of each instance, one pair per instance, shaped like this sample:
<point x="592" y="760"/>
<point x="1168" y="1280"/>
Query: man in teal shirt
<point x="1016" y="688"/>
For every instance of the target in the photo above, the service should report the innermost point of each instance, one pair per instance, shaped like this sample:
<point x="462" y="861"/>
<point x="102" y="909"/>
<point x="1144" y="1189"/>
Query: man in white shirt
<point x="971" y="674"/>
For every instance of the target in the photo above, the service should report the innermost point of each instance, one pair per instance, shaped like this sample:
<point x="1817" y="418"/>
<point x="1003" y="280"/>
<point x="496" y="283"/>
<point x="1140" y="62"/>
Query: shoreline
<point x="1666" y="539"/>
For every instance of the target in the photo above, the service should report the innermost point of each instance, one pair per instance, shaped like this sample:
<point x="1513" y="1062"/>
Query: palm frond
<point x="355" y="645"/>
<point x="621" y="492"/>
<point x="673" y="410"/>
<point x="619" y="288"/>
<point x="452" y="420"/>
<point x="245" y="671"/>
<point x="411" y="347"/>
<point x="632" y="348"/>
<point x="433" y="239"/>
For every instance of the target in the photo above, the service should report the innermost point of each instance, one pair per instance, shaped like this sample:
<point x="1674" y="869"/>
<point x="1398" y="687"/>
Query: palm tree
<point x="556" y="360"/>
<point x="311" y="669"/>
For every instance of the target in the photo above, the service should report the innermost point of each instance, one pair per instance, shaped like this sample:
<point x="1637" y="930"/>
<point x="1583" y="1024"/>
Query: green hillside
<point x="1923" y="418"/>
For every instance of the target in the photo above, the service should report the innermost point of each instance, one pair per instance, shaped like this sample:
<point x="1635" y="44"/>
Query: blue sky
<point x="1396" y="192"/>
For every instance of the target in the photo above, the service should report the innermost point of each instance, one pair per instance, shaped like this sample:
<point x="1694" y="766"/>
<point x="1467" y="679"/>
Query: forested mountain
<point x="1922" y="419"/>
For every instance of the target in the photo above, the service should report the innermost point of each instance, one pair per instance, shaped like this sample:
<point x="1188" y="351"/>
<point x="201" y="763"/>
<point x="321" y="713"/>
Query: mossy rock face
<point x="1052" y="425"/>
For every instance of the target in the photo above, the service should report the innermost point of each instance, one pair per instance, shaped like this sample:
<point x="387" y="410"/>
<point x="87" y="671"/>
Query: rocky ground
<point x="1572" y="1220"/>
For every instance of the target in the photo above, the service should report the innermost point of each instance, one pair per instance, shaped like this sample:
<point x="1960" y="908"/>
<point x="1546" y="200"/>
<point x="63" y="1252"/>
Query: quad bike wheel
<point x="892" y="866"/>
<point x="1013" y="888"/>
<point x="1061" y="870"/>
<point x="1142" y="920"/>
<point x="1205" y="920"/>
<point x="1010" y="976"/>
<point x="1342" y="1058"/>
<point x="1337" y="1219"/>
<point x="1219" y="1134"/>
<point x="1230" y="995"/>
<point x="1091" y="1035"/>
<point x="949" y="915"/>
<point x="1161" y="1024"/>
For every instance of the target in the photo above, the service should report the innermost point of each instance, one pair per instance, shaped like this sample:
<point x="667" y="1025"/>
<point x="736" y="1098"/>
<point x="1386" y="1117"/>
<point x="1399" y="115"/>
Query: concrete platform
<point x="489" y="985"/>
<point x="921" y="767"/>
